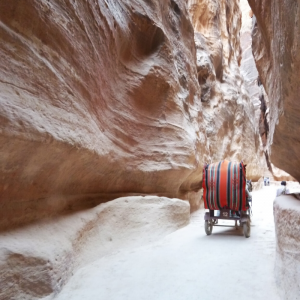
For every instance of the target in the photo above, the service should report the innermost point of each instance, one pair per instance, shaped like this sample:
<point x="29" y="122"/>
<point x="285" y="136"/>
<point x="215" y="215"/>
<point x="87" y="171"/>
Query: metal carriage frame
<point x="226" y="195"/>
<point x="241" y="219"/>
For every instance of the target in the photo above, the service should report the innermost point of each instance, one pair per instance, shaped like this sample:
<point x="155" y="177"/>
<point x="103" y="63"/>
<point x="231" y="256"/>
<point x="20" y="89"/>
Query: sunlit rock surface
<point x="99" y="99"/>
<point x="229" y="114"/>
<point x="280" y="175"/>
<point x="276" y="50"/>
<point x="248" y="67"/>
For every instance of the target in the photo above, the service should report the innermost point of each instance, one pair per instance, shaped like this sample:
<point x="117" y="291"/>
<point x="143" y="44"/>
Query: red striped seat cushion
<point x="224" y="186"/>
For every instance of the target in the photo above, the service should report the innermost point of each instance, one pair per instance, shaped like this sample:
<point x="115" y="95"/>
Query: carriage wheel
<point x="208" y="227"/>
<point x="246" y="229"/>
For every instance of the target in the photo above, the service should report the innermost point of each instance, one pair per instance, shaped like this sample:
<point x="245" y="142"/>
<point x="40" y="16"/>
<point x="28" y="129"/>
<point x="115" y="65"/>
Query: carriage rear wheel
<point x="208" y="227"/>
<point x="246" y="229"/>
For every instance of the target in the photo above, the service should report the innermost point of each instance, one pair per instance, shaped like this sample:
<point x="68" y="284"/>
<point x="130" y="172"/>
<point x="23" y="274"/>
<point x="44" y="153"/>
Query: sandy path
<point x="189" y="265"/>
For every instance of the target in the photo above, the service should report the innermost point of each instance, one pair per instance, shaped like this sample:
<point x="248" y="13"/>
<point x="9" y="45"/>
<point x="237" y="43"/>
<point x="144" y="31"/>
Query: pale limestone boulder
<point x="287" y="264"/>
<point x="99" y="99"/>
<point x="37" y="260"/>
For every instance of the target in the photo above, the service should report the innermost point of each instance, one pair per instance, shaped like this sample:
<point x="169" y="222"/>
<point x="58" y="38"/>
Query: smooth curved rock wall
<point x="287" y="266"/>
<point x="98" y="100"/>
<point x="276" y="50"/>
<point x="105" y="99"/>
<point x="248" y="67"/>
<point x="256" y="91"/>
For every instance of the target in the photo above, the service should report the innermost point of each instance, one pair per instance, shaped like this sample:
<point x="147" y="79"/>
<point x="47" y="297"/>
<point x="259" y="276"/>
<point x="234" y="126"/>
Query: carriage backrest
<point x="224" y="185"/>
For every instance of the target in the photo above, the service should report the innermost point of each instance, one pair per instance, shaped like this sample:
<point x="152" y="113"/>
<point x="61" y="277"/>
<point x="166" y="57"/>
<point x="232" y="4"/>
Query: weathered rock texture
<point x="248" y="67"/>
<point x="227" y="109"/>
<point x="256" y="91"/>
<point x="36" y="261"/>
<point x="99" y="99"/>
<point x="276" y="48"/>
<point x="287" y="267"/>
<point x="280" y="175"/>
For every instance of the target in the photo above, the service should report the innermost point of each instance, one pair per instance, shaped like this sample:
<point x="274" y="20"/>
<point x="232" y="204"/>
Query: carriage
<point x="226" y="196"/>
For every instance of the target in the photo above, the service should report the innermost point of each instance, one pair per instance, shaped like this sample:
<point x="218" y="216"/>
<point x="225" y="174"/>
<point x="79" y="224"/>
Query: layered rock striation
<point x="103" y="99"/>
<point x="248" y="67"/>
<point x="98" y="100"/>
<point x="276" y="49"/>
<point x="276" y="36"/>
<point x="228" y="111"/>
<point x="256" y="90"/>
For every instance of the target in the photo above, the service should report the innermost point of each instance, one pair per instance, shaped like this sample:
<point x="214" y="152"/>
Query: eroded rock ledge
<point x="37" y="260"/>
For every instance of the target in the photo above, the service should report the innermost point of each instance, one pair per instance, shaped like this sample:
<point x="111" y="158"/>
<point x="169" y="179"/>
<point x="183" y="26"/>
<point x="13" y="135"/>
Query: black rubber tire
<point x="246" y="229"/>
<point x="208" y="227"/>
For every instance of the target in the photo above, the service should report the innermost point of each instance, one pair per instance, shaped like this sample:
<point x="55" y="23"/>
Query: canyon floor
<point x="187" y="264"/>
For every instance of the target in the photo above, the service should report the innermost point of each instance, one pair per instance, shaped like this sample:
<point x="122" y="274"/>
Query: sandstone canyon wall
<point x="248" y="67"/>
<point x="276" y="49"/>
<point x="256" y="91"/>
<point x="228" y="112"/>
<point x="102" y="99"/>
<point x="99" y="99"/>
<point x="105" y="99"/>
<point x="249" y="71"/>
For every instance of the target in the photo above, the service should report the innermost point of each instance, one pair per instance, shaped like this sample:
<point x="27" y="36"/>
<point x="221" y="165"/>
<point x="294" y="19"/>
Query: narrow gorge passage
<point x="111" y="112"/>
<point x="187" y="264"/>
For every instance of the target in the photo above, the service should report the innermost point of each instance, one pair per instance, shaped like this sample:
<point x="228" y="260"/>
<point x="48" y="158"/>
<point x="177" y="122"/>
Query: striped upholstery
<point x="224" y="186"/>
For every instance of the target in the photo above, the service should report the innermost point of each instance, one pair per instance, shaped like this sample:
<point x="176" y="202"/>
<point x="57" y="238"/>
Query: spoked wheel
<point x="208" y="227"/>
<point x="246" y="229"/>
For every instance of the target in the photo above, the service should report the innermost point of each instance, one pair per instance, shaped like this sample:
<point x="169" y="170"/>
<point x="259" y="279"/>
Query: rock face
<point x="276" y="49"/>
<point x="255" y="89"/>
<point x="287" y="268"/>
<point x="105" y="99"/>
<point x="280" y="175"/>
<point x="98" y="100"/>
<point x="36" y="261"/>
<point x="227" y="109"/>
<point x="250" y="73"/>
<point x="248" y="67"/>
